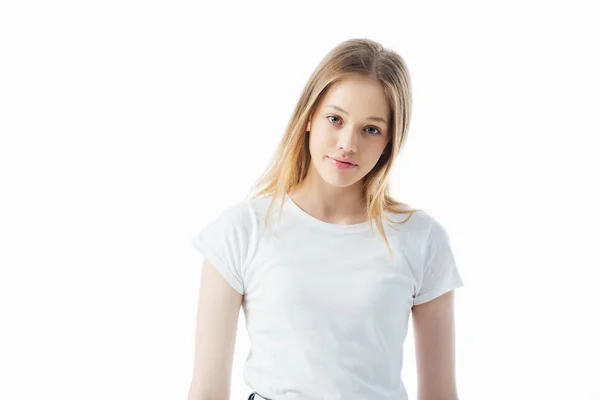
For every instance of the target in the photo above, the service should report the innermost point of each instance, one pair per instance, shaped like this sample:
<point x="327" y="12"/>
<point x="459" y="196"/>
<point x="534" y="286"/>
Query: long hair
<point x="289" y="165"/>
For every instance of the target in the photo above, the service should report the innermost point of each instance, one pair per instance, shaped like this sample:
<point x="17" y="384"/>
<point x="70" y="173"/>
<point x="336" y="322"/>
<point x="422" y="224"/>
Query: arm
<point x="216" y="330"/>
<point x="433" y="327"/>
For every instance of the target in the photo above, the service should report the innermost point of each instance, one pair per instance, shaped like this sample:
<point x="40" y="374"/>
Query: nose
<point x="347" y="140"/>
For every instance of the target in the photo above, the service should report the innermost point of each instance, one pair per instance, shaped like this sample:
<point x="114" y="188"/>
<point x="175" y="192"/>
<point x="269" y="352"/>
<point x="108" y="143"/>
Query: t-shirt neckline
<point x="327" y="226"/>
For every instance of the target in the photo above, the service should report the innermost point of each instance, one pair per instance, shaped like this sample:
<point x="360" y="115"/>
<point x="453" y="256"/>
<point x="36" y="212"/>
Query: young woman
<point x="327" y="297"/>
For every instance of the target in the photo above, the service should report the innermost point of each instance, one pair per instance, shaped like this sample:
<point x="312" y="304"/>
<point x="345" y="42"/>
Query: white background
<point x="127" y="126"/>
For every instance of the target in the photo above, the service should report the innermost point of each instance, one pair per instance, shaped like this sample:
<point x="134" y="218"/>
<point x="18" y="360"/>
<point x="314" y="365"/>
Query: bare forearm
<point x="446" y="396"/>
<point x="199" y="394"/>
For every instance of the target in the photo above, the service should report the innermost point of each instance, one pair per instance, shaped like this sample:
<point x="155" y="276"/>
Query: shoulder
<point x="436" y="230"/>
<point x="423" y="221"/>
<point x="248" y="214"/>
<point x="240" y="209"/>
<point x="237" y="216"/>
<point x="417" y="222"/>
<point x="435" y="241"/>
<point x="422" y="226"/>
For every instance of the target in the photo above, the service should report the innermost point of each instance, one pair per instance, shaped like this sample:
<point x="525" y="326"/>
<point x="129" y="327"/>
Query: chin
<point x="340" y="182"/>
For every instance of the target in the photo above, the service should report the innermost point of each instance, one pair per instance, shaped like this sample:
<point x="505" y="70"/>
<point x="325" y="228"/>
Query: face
<point x="352" y="122"/>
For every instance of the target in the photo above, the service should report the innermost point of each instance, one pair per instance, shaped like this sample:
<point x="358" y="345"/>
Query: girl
<point x="326" y="296"/>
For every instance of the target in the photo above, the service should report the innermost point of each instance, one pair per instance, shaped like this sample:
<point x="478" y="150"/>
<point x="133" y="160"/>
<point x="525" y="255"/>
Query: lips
<point x="342" y="161"/>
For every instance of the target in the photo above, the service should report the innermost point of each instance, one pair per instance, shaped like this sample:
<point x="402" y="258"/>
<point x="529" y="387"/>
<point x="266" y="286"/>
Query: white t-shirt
<point x="326" y="308"/>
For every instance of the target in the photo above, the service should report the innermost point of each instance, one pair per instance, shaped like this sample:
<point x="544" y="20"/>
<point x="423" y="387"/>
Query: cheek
<point x="321" y="141"/>
<point x="315" y="146"/>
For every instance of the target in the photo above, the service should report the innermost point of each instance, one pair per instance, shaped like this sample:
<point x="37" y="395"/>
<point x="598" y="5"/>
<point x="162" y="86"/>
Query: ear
<point x="308" y="125"/>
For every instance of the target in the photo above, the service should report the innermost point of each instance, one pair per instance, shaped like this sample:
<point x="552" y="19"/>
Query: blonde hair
<point x="289" y="165"/>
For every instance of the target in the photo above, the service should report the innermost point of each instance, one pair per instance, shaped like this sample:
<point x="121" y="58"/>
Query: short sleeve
<point x="225" y="242"/>
<point x="440" y="273"/>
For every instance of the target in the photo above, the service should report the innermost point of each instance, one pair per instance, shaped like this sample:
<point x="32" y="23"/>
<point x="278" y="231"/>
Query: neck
<point x="331" y="204"/>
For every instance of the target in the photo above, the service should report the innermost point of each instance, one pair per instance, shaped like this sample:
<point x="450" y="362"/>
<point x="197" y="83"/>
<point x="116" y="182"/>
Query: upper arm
<point x="217" y="320"/>
<point x="433" y="326"/>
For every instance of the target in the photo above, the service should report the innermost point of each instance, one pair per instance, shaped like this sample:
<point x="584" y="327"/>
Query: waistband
<point x="256" y="396"/>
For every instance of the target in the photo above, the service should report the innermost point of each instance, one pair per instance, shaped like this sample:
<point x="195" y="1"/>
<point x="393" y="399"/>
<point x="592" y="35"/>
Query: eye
<point x="377" y="130"/>
<point x="332" y="116"/>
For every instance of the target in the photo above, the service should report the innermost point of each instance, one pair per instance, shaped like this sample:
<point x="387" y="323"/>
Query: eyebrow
<point x="346" y="112"/>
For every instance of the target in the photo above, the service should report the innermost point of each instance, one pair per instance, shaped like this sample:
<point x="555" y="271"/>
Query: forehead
<point x="359" y="96"/>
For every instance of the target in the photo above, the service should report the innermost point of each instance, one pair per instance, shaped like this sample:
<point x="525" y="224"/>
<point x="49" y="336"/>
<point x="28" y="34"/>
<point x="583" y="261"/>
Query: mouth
<point x="344" y="162"/>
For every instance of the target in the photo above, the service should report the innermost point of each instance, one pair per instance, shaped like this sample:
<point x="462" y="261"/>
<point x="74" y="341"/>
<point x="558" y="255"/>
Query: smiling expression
<point x="350" y="122"/>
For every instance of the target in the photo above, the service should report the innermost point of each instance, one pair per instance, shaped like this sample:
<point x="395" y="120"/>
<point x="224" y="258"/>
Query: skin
<point x="216" y="332"/>
<point x="433" y="330"/>
<point x="334" y="196"/>
<point x="328" y="193"/>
